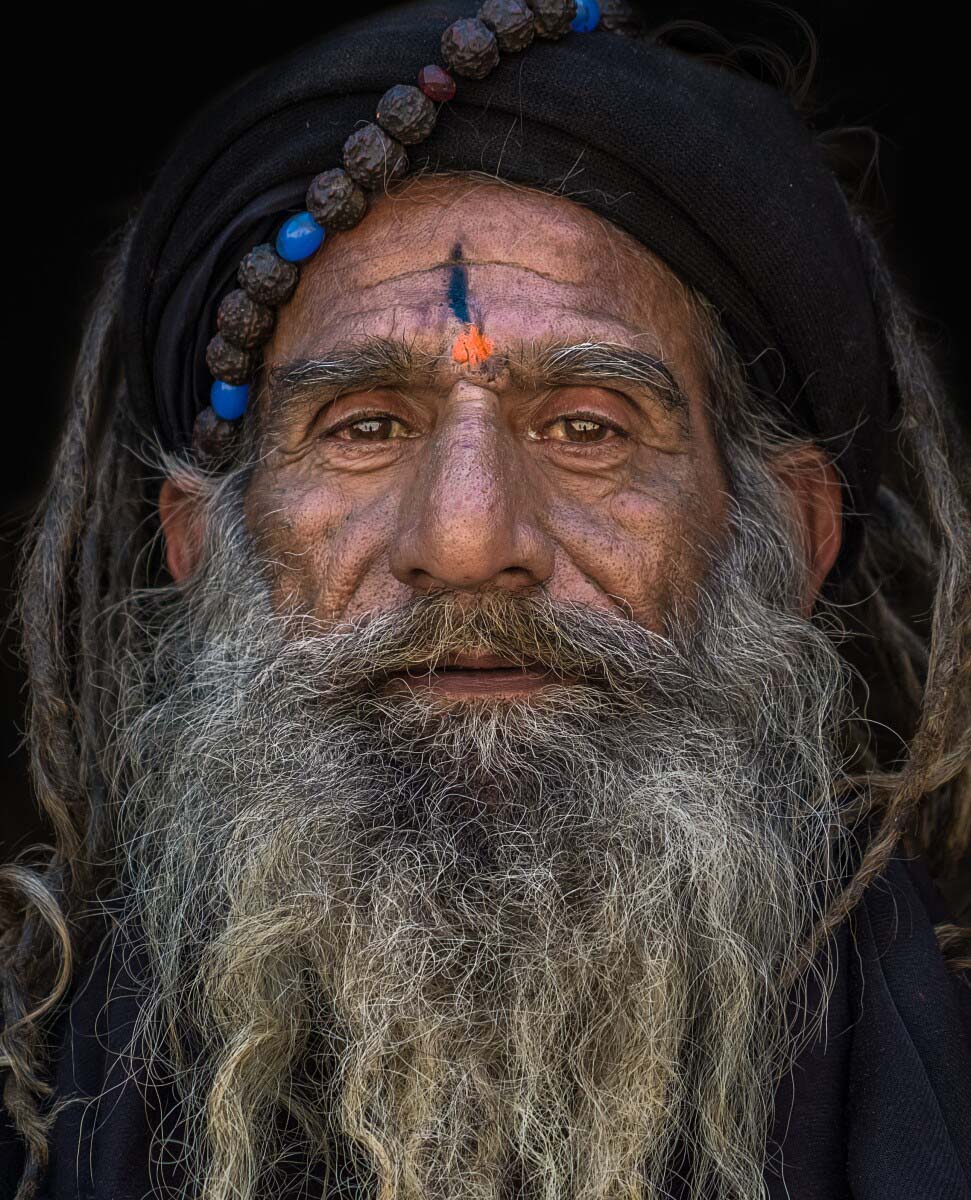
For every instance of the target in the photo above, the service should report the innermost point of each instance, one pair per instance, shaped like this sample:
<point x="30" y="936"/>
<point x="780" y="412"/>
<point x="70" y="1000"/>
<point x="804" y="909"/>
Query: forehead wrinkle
<point x="448" y="264"/>
<point x="634" y="332"/>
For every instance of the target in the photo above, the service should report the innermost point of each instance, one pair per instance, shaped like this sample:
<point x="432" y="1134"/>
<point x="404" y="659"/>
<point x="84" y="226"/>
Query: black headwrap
<point x="711" y="170"/>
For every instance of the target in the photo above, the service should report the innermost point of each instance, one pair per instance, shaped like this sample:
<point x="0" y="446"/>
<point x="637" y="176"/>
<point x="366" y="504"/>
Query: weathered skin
<point x="483" y="482"/>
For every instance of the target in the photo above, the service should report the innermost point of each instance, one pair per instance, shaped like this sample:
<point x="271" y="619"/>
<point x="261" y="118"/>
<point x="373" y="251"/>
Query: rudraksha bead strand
<point x="335" y="201"/>
<point x="229" y="363"/>
<point x="267" y="277"/>
<point x="406" y="113"/>
<point x="511" y="21"/>
<point x="470" y="48"/>
<point x="373" y="158"/>
<point x="553" y="17"/>
<point x="244" y="321"/>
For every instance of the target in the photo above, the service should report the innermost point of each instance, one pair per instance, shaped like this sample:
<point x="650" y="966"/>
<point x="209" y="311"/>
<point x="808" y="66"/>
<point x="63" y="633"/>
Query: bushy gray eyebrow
<point x="598" y="362"/>
<point x="388" y="362"/>
<point x="376" y="362"/>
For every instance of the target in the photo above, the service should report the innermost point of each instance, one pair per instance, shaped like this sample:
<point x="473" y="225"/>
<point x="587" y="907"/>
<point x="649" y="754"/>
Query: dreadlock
<point x="96" y="538"/>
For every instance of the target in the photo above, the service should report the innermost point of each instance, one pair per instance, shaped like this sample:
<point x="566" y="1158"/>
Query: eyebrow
<point x="375" y="362"/>
<point x="389" y="362"/>
<point x="559" y="365"/>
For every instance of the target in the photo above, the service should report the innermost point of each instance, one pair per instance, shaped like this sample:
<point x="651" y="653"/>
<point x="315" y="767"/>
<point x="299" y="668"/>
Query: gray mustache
<point x="570" y="641"/>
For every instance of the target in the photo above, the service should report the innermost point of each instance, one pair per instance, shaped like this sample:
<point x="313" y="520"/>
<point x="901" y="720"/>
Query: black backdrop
<point x="105" y="90"/>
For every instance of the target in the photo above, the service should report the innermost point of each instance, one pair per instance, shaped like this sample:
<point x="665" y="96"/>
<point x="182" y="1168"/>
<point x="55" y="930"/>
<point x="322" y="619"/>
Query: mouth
<point x="471" y="675"/>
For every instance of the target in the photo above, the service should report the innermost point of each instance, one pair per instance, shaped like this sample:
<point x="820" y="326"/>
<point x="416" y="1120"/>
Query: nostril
<point x="464" y="528"/>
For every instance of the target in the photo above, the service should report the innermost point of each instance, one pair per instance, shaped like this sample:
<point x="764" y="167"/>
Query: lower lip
<point x="501" y="681"/>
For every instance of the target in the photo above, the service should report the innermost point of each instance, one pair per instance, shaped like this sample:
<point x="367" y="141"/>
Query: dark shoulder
<point x="910" y="1077"/>
<point x="12" y="1153"/>
<point x="89" y="1040"/>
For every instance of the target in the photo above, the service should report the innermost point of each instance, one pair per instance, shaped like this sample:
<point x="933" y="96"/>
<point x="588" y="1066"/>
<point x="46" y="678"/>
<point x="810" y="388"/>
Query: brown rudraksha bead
<point x="372" y="158"/>
<point x="213" y="439"/>
<point x="267" y="277"/>
<point x="406" y="113"/>
<point x="244" y="321"/>
<point x="229" y="363"/>
<point x="620" y="16"/>
<point x="335" y="201"/>
<point x="511" y="21"/>
<point x="553" y="17"/>
<point x="470" y="48"/>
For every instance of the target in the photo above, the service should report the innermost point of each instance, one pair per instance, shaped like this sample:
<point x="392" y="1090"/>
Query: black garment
<point x="879" y="1109"/>
<point x="710" y="169"/>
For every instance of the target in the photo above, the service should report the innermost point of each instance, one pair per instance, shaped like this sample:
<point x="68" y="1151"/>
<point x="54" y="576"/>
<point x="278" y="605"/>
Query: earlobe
<point x="179" y="515"/>
<point x="817" y="494"/>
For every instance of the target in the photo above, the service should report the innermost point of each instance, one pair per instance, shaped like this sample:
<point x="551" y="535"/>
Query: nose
<point x="468" y="518"/>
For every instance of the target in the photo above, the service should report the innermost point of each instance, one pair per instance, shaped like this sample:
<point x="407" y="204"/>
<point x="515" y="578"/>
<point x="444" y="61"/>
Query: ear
<point x="817" y="497"/>
<point x="181" y="528"/>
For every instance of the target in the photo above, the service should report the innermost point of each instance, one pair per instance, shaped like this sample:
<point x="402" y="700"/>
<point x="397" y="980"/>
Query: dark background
<point x="105" y="91"/>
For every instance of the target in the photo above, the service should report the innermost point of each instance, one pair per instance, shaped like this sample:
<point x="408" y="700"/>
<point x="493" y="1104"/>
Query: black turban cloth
<point x="711" y="170"/>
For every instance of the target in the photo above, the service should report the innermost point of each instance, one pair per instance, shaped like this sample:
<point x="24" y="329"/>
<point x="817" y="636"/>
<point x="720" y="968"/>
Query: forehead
<point x="531" y="266"/>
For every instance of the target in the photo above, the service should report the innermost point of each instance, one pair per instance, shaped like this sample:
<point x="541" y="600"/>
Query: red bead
<point x="435" y="83"/>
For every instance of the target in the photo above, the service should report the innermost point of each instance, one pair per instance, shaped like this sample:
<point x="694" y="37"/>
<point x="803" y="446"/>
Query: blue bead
<point x="587" y="18"/>
<point x="300" y="237"/>
<point x="228" y="401"/>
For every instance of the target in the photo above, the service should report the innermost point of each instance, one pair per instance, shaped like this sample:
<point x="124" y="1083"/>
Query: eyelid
<point x="638" y="398"/>
<point x="327" y="406"/>
<point x="367" y="415"/>
<point x="597" y="418"/>
<point x="354" y="418"/>
<point x="646" y="401"/>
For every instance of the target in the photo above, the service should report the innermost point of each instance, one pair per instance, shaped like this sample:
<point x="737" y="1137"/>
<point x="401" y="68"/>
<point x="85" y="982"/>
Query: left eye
<point x="579" y="429"/>
<point x="379" y="428"/>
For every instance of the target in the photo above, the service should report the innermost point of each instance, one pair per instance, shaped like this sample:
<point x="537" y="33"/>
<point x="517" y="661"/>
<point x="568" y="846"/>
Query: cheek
<point x="325" y="545"/>
<point x="647" y="544"/>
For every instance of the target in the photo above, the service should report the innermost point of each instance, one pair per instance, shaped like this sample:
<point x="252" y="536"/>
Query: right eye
<point x="373" y="427"/>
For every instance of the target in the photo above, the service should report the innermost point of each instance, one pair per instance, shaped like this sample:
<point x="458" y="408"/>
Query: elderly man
<point x="481" y="683"/>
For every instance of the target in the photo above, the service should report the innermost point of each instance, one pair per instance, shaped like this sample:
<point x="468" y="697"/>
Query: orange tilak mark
<point x="472" y="347"/>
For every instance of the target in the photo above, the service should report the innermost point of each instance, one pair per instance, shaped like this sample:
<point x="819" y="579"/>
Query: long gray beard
<point x="535" y="948"/>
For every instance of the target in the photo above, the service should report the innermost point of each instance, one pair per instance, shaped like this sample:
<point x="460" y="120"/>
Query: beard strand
<point x="448" y="950"/>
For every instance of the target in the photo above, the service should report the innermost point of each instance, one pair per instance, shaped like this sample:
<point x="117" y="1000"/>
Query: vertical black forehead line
<point x="458" y="286"/>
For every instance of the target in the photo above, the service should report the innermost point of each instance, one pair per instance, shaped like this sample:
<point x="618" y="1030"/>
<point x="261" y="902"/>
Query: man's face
<point x="486" y="455"/>
<point x="543" y="943"/>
